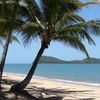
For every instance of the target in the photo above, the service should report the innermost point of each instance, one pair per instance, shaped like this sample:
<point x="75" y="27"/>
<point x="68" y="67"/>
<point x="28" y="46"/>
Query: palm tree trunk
<point x="20" y="86"/>
<point x="4" y="54"/>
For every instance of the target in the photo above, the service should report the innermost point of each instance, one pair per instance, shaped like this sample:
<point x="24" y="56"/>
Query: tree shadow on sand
<point x="36" y="93"/>
<point x="56" y="93"/>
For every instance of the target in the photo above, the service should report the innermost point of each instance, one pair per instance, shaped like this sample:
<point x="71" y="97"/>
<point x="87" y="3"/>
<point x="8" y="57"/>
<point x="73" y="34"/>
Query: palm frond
<point x="82" y="30"/>
<point x="85" y="4"/>
<point x="33" y="8"/>
<point x="93" y="27"/>
<point x="29" y="33"/>
<point x="8" y="13"/>
<point x="32" y="12"/>
<point x="7" y="8"/>
<point x="3" y="38"/>
<point x="14" y="24"/>
<point x="52" y="11"/>
<point x="77" y="32"/>
<point x="73" y="42"/>
<point x="1" y="42"/>
<point x="14" y="38"/>
<point x="71" y="18"/>
<point x="85" y="35"/>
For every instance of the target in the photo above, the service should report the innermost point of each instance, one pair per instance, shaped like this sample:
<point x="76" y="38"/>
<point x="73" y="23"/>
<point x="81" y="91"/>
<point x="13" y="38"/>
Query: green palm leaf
<point x="71" y="18"/>
<point x="73" y="42"/>
<point x="15" y="39"/>
<point x="51" y="19"/>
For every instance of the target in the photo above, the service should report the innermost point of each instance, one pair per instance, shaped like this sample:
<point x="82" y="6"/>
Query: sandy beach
<point x="45" y="87"/>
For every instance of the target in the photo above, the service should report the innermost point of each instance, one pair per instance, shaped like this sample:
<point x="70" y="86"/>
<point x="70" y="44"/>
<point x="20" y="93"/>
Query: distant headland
<point x="54" y="60"/>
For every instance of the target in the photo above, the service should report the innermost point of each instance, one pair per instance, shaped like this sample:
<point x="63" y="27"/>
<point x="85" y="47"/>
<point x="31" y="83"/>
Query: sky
<point x="17" y="53"/>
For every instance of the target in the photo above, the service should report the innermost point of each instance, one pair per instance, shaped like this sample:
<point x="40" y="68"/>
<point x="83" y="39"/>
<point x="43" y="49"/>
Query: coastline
<point x="73" y="89"/>
<point x="94" y="84"/>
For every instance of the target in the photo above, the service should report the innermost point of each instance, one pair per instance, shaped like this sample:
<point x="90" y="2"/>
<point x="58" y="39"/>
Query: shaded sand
<point x="44" y="88"/>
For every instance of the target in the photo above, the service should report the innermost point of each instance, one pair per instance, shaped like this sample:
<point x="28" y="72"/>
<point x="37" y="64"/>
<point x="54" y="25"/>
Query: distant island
<point x="48" y="59"/>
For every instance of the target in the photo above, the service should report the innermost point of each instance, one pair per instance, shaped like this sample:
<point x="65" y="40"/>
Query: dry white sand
<point x="67" y="90"/>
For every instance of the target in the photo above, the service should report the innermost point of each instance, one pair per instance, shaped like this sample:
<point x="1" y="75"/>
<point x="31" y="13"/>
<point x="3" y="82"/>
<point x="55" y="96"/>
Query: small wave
<point x="18" y="74"/>
<point x="59" y="80"/>
<point x="79" y="82"/>
<point x="71" y="81"/>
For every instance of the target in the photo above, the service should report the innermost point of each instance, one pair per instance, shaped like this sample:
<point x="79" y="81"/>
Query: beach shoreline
<point x="74" y="91"/>
<point x="93" y="84"/>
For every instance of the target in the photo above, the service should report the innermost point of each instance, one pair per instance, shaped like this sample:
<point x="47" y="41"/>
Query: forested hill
<point x="48" y="59"/>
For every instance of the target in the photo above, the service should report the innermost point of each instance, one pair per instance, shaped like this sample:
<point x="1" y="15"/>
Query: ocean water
<point x="85" y="73"/>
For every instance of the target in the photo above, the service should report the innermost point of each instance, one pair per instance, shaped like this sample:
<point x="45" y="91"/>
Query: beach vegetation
<point x="51" y="21"/>
<point x="9" y="23"/>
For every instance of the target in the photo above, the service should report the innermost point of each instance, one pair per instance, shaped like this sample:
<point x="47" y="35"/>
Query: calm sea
<point x="88" y="73"/>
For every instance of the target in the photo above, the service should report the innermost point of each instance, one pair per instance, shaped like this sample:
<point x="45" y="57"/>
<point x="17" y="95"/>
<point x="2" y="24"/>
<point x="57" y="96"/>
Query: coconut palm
<point x="5" y="11"/>
<point x="9" y="23"/>
<point x="3" y="42"/>
<point x="55" y="21"/>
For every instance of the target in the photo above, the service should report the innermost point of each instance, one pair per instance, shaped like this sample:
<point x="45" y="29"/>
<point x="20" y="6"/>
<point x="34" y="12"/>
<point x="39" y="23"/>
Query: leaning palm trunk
<point x="5" y="49"/>
<point x="20" y="86"/>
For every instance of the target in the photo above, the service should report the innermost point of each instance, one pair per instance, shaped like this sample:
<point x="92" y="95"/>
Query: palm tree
<point x="5" y="11"/>
<point x="55" y="21"/>
<point x="9" y="23"/>
<point x="3" y="42"/>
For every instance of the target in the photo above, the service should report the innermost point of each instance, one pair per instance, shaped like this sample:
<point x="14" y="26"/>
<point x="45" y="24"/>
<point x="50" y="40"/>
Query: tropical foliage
<point x="54" y="21"/>
<point x="8" y="24"/>
<point x="3" y="37"/>
<point x="48" y="21"/>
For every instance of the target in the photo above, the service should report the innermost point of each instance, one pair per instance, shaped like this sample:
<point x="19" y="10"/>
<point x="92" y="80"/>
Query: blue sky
<point x="20" y="54"/>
